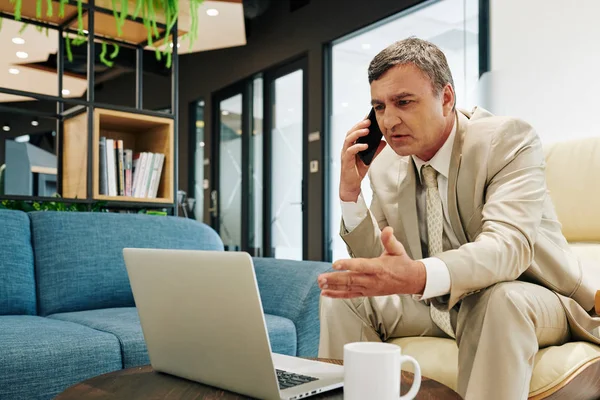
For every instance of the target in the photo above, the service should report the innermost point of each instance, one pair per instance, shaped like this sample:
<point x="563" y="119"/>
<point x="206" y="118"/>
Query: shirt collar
<point x="441" y="160"/>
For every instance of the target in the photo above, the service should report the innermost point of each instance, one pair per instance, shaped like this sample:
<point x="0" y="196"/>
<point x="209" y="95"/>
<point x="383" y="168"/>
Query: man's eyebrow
<point x="402" y="95"/>
<point x="395" y="97"/>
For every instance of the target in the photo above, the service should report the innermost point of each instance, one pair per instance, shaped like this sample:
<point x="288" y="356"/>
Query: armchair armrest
<point x="289" y="289"/>
<point x="597" y="303"/>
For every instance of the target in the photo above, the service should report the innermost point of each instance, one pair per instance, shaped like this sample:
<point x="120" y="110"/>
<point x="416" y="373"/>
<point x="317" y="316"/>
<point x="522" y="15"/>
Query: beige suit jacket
<point x="499" y="209"/>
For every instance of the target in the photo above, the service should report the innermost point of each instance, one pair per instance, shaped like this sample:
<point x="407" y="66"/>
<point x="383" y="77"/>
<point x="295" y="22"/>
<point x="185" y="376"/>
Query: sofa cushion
<point x="79" y="256"/>
<point x="17" y="280"/>
<point x="571" y="168"/>
<point x="438" y="359"/>
<point x="282" y="335"/>
<point x="289" y="289"/>
<point x="124" y="323"/>
<point x="41" y="357"/>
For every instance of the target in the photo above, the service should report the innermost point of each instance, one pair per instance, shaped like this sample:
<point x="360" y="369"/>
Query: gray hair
<point x="422" y="54"/>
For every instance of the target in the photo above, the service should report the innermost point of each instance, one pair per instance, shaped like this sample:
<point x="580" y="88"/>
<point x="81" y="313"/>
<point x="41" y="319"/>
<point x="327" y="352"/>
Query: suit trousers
<point x="498" y="332"/>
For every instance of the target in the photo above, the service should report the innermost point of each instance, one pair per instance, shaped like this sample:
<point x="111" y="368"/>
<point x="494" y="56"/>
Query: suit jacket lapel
<point x="457" y="227"/>
<point x="407" y="212"/>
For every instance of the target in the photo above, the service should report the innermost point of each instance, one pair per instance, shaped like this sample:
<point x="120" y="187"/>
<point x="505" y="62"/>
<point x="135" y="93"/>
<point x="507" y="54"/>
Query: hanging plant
<point x="147" y="10"/>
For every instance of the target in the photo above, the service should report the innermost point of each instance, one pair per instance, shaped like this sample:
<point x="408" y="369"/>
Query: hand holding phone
<point x="353" y="168"/>
<point x="372" y="140"/>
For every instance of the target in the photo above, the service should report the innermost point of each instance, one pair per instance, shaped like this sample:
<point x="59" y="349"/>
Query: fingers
<point x="359" y="125"/>
<point x="352" y="151"/>
<point x="363" y="265"/>
<point x="334" y="294"/>
<point x="358" y="130"/>
<point x="348" y="281"/>
<point x="390" y="243"/>
<point x="352" y="137"/>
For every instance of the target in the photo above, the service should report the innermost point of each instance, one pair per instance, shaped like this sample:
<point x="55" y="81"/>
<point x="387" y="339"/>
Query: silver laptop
<point x="202" y="320"/>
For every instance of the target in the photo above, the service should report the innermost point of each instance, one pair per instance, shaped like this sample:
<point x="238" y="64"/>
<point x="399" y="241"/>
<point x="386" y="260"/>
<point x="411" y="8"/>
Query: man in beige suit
<point x="461" y="239"/>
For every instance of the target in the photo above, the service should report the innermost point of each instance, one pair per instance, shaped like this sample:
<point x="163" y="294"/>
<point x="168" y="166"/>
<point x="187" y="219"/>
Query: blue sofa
<point x="66" y="308"/>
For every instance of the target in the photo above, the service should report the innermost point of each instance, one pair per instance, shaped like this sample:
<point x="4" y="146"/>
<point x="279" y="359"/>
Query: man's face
<point x="413" y="118"/>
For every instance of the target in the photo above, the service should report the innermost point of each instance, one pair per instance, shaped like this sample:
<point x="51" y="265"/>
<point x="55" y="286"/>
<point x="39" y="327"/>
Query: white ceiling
<point x="214" y="32"/>
<point x="38" y="46"/>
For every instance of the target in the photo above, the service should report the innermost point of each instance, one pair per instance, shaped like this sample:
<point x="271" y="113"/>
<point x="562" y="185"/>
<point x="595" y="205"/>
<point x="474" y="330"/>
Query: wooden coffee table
<point x="145" y="383"/>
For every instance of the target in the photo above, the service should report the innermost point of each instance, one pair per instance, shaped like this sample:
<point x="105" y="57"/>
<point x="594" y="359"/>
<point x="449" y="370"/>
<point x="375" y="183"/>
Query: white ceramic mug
<point x="372" y="371"/>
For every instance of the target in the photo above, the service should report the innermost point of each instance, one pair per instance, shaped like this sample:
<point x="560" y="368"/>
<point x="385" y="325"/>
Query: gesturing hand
<point x="394" y="272"/>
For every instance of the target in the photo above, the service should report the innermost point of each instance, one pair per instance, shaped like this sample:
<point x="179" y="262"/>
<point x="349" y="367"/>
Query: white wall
<point x="545" y="65"/>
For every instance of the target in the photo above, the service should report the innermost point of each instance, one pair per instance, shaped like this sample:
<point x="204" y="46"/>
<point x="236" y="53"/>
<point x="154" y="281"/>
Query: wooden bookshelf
<point x="140" y="133"/>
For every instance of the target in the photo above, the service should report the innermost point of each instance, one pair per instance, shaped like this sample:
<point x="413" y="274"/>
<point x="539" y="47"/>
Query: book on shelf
<point x="103" y="173"/>
<point x="120" y="167"/>
<point x="124" y="172"/>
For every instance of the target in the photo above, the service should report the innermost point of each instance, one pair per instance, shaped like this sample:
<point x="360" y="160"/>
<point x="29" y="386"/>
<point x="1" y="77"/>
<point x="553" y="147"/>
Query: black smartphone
<point x="372" y="139"/>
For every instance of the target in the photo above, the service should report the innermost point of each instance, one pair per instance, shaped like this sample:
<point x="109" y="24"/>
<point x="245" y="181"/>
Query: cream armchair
<point x="570" y="371"/>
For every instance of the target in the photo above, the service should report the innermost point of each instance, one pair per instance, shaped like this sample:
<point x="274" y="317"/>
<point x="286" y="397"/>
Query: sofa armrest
<point x="289" y="289"/>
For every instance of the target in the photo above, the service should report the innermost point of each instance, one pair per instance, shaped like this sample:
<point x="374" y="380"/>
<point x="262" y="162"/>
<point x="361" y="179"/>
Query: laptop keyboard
<point x="289" y="379"/>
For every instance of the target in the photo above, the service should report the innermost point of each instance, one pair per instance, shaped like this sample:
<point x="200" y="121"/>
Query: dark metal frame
<point x="484" y="66"/>
<point x="91" y="9"/>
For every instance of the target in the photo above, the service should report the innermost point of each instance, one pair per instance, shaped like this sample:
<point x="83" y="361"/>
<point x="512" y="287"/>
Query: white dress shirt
<point x="438" y="277"/>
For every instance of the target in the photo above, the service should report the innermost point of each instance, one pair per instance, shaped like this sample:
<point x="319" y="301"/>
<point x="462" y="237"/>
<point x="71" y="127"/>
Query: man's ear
<point x="448" y="99"/>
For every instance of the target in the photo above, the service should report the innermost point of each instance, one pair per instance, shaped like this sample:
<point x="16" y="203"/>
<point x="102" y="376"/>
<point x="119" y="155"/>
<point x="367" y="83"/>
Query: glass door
<point x="227" y="198"/>
<point x="236" y="196"/>
<point x="257" y="198"/>
<point x="285" y="100"/>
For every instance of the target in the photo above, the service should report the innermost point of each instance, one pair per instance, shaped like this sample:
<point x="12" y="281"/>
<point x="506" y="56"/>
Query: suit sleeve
<point x="511" y="214"/>
<point x="364" y="240"/>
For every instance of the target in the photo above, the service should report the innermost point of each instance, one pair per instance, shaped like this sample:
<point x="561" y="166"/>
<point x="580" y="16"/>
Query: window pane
<point x="256" y="186"/>
<point x="450" y="24"/>
<point x="286" y="226"/>
<point x="199" y="163"/>
<point x="230" y="173"/>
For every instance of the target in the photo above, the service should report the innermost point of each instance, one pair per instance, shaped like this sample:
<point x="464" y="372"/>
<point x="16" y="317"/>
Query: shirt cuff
<point x="438" y="279"/>
<point x="354" y="213"/>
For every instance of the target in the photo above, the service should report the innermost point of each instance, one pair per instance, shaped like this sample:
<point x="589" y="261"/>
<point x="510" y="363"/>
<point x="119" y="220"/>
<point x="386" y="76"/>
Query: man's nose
<point x="390" y="121"/>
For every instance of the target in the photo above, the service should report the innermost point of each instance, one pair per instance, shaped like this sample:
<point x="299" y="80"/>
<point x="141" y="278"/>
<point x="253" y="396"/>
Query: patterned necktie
<point x="435" y="238"/>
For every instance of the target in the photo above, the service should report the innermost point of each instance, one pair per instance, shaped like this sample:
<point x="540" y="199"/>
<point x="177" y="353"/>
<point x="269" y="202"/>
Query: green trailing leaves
<point x="61" y="8"/>
<point x="80" y="17"/>
<point x="68" y="48"/>
<point x="115" y="52"/>
<point x="147" y="10"/>
<point x="103" y="55"/>
<point x="50" y="10"/>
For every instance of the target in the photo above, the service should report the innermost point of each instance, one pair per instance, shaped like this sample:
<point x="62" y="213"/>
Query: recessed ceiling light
<point x="225" y="112"/>
<point x="22" y="54"/>
<point x="22" y="139"/>
<point x="66" y="92"/>
<point x="212" y="12"/>
<point x="35" y="122"/>
<point x="6" y="128"/>
<point x="13" y="71"/>
<point x="366" y="46"/>
<point x="86" y="31"/>
<point x="18" y="40"/>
